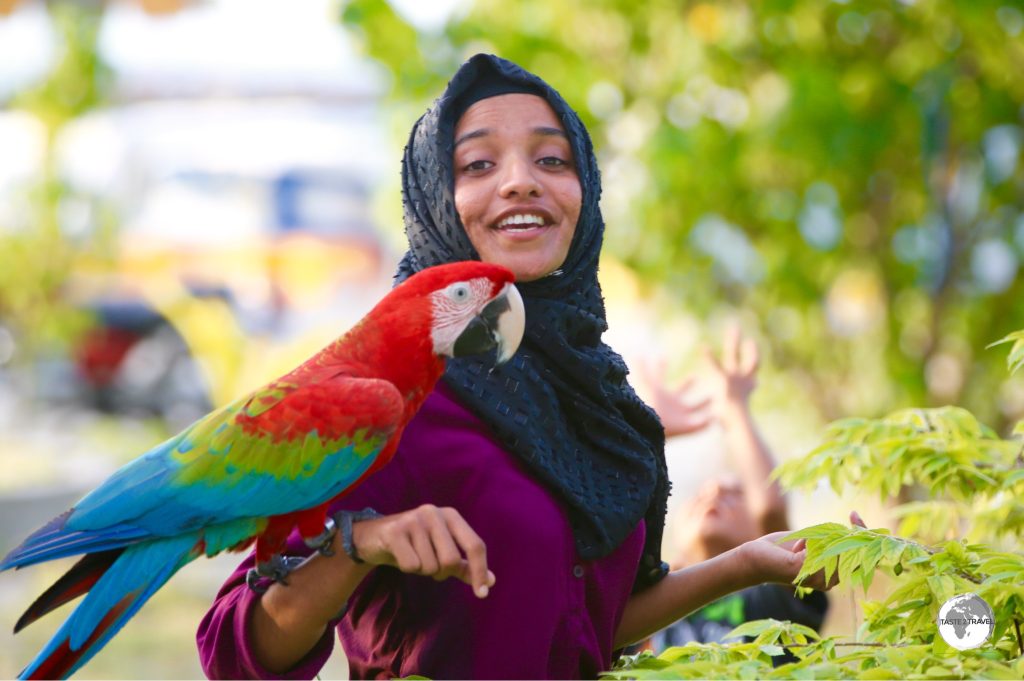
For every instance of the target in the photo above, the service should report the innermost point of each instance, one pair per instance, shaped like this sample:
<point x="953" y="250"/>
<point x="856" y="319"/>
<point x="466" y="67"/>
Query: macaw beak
<point x="499" y="325"/>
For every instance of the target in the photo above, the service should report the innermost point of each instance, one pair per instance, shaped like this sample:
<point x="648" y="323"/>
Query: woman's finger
<point x="472" y="547"/>
<point x="405" y="556"/>
<point x="448" y="556"/>
<point x="419" y="537"/>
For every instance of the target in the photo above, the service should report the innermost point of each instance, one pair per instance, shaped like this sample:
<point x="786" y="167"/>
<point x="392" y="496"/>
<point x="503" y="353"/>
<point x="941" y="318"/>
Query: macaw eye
<point x="459" y="292"/>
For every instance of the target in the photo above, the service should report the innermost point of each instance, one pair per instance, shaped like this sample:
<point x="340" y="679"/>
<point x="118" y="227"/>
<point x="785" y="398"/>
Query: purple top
<point x="549" y="615"/>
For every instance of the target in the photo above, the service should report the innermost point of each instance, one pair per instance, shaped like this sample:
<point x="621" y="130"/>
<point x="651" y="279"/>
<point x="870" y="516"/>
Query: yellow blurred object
<point x="307" y="269"/>
<point x="855" y="302"/>
<point x="158" y="7"/>
<point x="7" y="6"/>
<point x="705" y="20"/>
<point x="619" y="284"/>
<point x="209" y="329"/>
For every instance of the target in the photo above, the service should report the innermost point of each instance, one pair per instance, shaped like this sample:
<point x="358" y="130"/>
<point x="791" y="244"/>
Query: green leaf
<point x="752" y="628"/>
<point x="940" y="672"/>
<point x="845" y="544"/>
<point x="956" y="550"/>
<point x="942" y="586"/>
<point x="806" y="631"/>
<point x="941" y="648"/>
<point x="815" y="532"/>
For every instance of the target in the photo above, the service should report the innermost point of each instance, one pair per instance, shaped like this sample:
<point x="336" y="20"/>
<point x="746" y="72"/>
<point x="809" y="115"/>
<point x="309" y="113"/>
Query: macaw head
<point x="473" y="307"/>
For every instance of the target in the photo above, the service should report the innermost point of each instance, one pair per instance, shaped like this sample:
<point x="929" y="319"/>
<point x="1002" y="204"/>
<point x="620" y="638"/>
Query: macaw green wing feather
<point x="256" y="457"/>
<point x="267" y="397"/>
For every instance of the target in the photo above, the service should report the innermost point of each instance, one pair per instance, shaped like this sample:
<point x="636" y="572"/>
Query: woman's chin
<point x="524" y="275"/>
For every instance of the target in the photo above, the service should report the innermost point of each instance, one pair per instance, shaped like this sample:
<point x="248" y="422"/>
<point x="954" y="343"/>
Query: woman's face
<point x="516" y="188"/>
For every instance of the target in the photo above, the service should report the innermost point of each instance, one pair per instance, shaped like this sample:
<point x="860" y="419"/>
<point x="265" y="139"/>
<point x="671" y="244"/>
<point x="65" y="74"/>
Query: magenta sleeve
<point x="223" y="638"/>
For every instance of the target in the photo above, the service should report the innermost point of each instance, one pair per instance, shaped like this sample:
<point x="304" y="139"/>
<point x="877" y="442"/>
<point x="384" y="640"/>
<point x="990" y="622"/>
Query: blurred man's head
<point x="714" y="521"/>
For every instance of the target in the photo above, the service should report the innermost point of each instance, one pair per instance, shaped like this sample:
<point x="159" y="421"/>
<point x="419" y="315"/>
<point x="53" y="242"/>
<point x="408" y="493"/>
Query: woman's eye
<point x="552" y="161"/>
<point x="478" y="165"/>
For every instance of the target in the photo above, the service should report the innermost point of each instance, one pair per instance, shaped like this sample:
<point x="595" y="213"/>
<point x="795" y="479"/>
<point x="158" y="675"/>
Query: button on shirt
<point x="549" y="615"/>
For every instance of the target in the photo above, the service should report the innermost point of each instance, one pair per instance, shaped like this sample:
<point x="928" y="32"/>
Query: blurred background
<point x="197" y="194"/>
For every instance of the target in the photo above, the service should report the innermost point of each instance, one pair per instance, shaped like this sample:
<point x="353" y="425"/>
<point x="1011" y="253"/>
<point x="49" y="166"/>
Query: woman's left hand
<point x="781" y="563"/>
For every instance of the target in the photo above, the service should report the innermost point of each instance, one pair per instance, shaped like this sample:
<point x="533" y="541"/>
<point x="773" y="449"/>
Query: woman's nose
<point x="519" y="179"/>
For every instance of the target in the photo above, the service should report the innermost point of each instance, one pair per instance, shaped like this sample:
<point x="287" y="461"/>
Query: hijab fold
<point x="562" y="404"/>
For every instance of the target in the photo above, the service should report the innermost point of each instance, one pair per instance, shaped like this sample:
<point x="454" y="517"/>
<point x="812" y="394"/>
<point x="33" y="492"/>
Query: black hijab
<point x="562" y="404"/>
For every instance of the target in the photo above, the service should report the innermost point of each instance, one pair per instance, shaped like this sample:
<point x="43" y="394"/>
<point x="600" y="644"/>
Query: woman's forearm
<point x="287" y="621"/>
<point x="680" y="593"/>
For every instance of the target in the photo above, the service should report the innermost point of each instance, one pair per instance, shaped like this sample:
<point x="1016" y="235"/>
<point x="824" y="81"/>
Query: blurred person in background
<point x="727" y="512"/>
<point x="540" y="484"/>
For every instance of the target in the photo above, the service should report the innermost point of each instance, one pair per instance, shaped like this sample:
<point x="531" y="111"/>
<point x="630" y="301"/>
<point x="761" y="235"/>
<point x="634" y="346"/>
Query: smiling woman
<point x="540" y="486"/>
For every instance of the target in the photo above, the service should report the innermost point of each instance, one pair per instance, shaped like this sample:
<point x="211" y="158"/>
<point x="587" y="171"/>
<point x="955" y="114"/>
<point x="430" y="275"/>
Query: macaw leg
<point x="318" y="529"/>
<point x="270" y="562"/>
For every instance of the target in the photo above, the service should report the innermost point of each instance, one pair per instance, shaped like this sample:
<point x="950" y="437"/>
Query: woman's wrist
<point x="759" y="563"/>
<point x="344" y="520"/>
<point x="742" y="568"/>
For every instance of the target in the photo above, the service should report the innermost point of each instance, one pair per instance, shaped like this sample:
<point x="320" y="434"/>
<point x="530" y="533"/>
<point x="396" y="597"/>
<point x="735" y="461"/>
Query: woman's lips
<point x="522" y="232"/>
<point x="522" y="217"/>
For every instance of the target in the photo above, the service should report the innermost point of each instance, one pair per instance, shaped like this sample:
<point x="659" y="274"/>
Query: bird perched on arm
<point x="269" y="462"/>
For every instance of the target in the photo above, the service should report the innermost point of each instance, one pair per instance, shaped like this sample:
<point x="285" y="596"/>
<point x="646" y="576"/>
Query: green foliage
<point x="973" y="479"/>
<point x="899" y="637"/>
<point x="79" y="79"/>
<point x="36" y="258"/>
<point x="1015" y="360"/>
<point x="825" y="658"/>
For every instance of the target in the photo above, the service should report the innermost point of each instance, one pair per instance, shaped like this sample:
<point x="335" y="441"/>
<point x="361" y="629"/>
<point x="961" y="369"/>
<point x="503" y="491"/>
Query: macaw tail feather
<point x="54" y="540"/>
<point x="75" y="582"/>
<point x="125" y="586"/>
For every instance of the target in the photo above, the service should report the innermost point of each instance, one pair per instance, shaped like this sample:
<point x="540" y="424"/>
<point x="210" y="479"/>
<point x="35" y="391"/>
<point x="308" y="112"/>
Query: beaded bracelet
<point x="344" y="520"/>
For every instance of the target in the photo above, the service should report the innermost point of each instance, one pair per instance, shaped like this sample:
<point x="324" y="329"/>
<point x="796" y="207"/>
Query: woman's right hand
<point x="428" y="540"/>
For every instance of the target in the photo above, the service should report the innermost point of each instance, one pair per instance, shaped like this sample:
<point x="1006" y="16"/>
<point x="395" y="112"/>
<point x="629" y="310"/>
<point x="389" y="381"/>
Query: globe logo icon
<point x="965" y="621"/>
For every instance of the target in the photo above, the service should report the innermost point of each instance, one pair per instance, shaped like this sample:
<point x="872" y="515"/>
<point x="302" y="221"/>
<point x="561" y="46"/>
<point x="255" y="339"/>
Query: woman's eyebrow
<point x="544" y="130"/>
<point x="483" y="132"/>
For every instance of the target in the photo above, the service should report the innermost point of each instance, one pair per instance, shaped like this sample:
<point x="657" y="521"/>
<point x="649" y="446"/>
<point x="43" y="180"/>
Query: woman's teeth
<point x="521" y="222"/>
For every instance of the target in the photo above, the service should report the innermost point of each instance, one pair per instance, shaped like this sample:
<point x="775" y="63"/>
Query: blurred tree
<point x="849" y="171"/>
<point x="36" y="257"/>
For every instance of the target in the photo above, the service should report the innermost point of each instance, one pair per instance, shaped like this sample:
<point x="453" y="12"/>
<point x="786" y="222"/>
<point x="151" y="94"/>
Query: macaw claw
<point x="276" y="569"/>
<point x="322" y="542"/>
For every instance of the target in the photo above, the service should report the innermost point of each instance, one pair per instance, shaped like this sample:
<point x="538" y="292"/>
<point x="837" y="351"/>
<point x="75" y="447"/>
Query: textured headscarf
<point x="562" y="405"/>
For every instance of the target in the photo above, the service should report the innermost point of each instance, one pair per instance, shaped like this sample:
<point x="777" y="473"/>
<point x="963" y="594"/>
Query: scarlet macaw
<point x="267" y="463"/>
